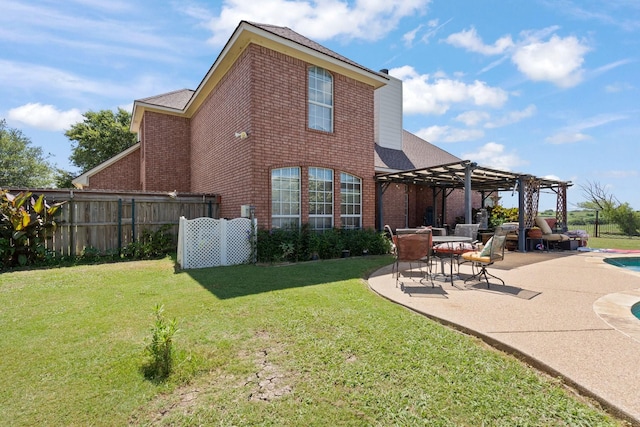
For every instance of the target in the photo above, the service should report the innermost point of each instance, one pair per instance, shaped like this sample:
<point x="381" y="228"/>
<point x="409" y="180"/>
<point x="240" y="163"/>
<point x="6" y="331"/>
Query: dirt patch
<point x="269" y="382"/>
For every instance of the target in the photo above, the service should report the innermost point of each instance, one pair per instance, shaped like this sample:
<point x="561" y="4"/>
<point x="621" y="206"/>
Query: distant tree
<point x="598" y="198"/>
<point x="99" y="137"/>
<point x="63" y="178"/>
<point x="21" y="164"/>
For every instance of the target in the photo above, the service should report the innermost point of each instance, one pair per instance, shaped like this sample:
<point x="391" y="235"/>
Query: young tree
<point x="598" y="198"/>
<point x="99" y="137"/>
<point x="22" y="165"/>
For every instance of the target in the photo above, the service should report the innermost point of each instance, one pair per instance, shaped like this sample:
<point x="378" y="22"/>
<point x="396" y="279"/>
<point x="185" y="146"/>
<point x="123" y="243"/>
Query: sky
<point x="543" y="87"/>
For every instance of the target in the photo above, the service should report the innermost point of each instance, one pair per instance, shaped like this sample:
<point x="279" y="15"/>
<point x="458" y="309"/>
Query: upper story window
<point x="285" y="197"/>
<point x="320" y="99"/>
<point x="320" y="198"/>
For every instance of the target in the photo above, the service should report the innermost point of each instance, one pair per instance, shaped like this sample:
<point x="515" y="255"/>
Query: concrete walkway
<point x="568" y="315"/>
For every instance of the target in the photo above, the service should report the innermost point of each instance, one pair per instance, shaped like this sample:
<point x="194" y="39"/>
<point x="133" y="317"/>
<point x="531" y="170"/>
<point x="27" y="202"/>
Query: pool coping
<point x="615" y="309"/>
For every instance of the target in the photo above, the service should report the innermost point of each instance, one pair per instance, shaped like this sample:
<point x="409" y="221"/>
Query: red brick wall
<point x="122" y="175"/>
<point x="395" y="201"/>
<point x="265" y="94"/>
<point x="165" y="152"/>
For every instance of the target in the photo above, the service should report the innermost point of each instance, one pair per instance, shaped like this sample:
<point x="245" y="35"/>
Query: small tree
<point x="598" y="198"/>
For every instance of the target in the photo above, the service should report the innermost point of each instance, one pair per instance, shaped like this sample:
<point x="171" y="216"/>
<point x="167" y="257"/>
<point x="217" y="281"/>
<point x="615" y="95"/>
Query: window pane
<point x="320" y="98"/>
<point x="320" y="198"/>
<point x="285" y="197"/>
<point x="350" y="205"/>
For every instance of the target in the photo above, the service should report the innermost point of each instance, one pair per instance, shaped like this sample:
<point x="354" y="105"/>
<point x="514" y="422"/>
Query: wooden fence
<point x="108" y="221"/>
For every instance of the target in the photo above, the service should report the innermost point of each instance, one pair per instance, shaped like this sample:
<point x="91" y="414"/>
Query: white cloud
<point x="622" y="174"/>
<point x="316" y="19"/>
<point x="408" y="37"/>
<point x="512" y="117"/>
<point x="493" y="155"/>
<point x="567" y="138"/>
<point x="558" y="60"/>
<point x="618" y="87"/>
<point x="45" y="117"/>
<point x="469" y="40"/>
<point x="472" y="118"/>
<point x="541" y="55"/>
<point x="424" y="95"/>
<point x="574" y="132"/>
<point x="435" y="134"/>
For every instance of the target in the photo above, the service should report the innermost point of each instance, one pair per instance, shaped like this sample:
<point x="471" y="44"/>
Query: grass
<point x="305" y="344"/>
<point x="614" y="243"/>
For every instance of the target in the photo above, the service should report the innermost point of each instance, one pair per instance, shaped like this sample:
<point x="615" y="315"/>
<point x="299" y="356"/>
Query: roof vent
<point x="385" y="71"/>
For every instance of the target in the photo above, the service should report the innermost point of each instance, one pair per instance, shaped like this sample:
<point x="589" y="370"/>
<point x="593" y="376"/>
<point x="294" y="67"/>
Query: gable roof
<point x="177" y="99"/>
<point x="280" y="39"/>
<point x="416" y="153"/>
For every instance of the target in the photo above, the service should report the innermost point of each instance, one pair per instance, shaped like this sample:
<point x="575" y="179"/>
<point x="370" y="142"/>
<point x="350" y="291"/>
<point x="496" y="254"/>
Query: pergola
<point x="467" y="175"/>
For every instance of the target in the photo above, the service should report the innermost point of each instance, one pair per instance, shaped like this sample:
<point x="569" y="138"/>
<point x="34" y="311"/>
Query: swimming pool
<point x="632" y="263"/>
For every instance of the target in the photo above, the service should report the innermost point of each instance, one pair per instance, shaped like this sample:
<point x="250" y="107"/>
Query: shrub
<point x="302" y="244"/>
<point x="150" y="245"/>
<point x="160" y="349"/>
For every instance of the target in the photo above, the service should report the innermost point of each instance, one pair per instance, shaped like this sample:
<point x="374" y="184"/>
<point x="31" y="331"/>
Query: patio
<point x="554" y="313"/>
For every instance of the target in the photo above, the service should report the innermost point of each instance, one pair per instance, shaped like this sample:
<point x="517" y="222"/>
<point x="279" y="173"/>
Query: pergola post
<point x="522" y="238"/>
<point x="468" y="168"/>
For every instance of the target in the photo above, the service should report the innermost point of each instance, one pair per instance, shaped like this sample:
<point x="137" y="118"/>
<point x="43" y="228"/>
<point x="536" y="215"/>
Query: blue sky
<point x="546" y="87"/>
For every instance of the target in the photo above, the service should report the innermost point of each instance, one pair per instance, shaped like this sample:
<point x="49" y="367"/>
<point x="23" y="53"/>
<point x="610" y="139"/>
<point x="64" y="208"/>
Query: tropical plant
<point x="24" y="224"/>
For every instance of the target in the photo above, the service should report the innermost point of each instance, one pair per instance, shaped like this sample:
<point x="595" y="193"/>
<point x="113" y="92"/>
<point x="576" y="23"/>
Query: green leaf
<point x="38" y="206"/>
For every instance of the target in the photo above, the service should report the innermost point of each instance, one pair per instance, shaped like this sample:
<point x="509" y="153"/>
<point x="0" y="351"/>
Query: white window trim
<point x="321" y="104"/>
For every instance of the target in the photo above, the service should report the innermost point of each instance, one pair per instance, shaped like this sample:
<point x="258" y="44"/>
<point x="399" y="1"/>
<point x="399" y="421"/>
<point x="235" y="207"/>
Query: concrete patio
<point x="566" y="313"/>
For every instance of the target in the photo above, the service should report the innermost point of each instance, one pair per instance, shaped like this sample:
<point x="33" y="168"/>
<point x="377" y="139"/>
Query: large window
<point x="350" y="201"/>
<point x="285" y="197"/>
<point x="320" y="198"/>
<point x="320" y="99"/>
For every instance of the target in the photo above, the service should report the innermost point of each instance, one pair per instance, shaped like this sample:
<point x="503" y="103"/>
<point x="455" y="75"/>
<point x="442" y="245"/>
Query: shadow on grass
<point x="242" y="280"/>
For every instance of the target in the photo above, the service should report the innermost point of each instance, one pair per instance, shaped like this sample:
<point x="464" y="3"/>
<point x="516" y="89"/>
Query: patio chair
<point x="392" y="238"/>
<point x="548" y="236"/>
<point x="413" y="248"/>
<point x="492" y="252"/>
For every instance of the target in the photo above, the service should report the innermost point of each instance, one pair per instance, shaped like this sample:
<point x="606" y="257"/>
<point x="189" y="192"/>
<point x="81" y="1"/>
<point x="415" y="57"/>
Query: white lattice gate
<point x="208" y="242"/>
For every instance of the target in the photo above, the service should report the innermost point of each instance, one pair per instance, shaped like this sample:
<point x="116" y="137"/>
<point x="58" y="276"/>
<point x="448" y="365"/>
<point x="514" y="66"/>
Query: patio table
<point x="449" y="240"/>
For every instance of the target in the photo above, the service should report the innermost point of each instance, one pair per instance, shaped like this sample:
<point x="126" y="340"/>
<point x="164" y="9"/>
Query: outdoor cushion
<point x="476" y="257"/>
<point x="543" y="225"/>
<point x="453" y="247"/>
<point x="486" y="251"/>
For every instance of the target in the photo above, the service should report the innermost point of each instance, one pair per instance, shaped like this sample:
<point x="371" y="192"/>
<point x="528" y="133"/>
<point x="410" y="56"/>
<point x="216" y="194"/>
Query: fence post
<point x="72" y="243"/>
<point x="133" y="220"/>
<point x="597" y="228"/>
<point x="119" y="226"/>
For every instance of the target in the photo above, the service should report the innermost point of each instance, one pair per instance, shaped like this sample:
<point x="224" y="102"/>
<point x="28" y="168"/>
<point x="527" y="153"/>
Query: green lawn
<point x="306" y="344"/>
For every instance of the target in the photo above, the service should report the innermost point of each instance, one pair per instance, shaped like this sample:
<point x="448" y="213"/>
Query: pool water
<point x="632" y="263"/>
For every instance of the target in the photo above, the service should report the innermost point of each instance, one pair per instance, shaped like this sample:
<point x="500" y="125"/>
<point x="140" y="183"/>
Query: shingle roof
<point x="177" y="99"/>
<point x="416" y="153"/>
<point x="289" y="34"/>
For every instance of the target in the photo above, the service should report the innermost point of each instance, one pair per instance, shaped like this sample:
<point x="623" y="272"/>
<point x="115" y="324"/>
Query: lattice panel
<point x="238" y="238"/>
<point x="531" y="199"/>
<point x="208" y="242"/>
<point x="561" y="207"/>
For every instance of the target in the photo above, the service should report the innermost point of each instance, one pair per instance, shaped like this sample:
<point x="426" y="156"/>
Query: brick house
<point x="288" y="126"/>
